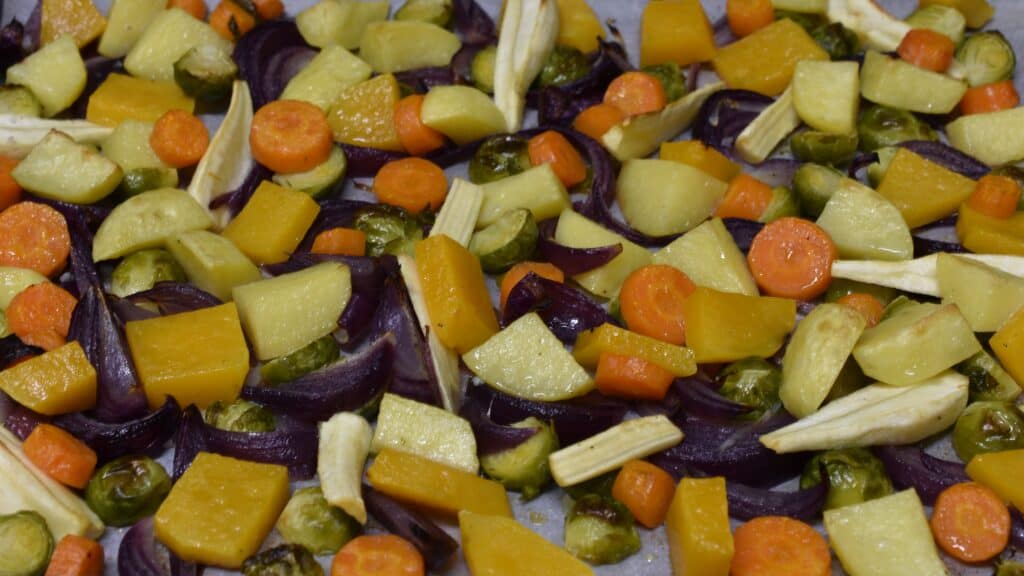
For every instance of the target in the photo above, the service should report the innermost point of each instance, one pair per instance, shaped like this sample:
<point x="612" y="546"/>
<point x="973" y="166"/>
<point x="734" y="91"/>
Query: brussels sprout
<point x="877" y="170"/>
<point x="672" y="79"/>
<point x="942" y="19"/>
<point x="508" y="241"/>
<point x="283" y="560"/>
<point x="854" y="475"/>
<point x="600" y="485"/>
<point x="240" y="416"/>
<point x="499" y="157"/>
<point x="988" y="426"/>
<point x="600" y="530"/>
<point x="1009" y="568"/>
<point x="525" y="467"/>
<point x="26" y="543"/>
<point x="565" y="64"/>
<point x="839" y="41"/>
<point x="880" y="126"/>
<point x="481" y="70"/>
<point x="987" y="378"/>
<point x="206" y="73"/>
<point x="986" y="57"/>
<point x="389" y="229"/>
<point x="139" y="180"/>
<point x="823" y="148"/>
<point x="437" y="12"/>
<point x="783" y="203"/>
<point x="315" y="355"/>
<point x="752" y="382"/>
<point x="141" y="270"/>
<point x="842" y="287"/>
<point x="128" y="489"/>
<point x="309" y="521"/>
<point x="814" y="185"/>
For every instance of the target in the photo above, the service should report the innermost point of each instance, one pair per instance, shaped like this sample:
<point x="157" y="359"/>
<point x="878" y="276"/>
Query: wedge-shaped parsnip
<point x="426" y="431"/>
<point x="986" y="296"/>
<point x="19" y="134"/>
<point x="917" y="276"/>
<point x="344" y="445"/>
<point x="228" y="159"/>
<point x="639" y="136"/>
<point x="877" y="414"/>
<point x="529" y="29"/>
<point x="876" y="28"/>
<point x="612" y="448"/>
<point x="757" y="141"/>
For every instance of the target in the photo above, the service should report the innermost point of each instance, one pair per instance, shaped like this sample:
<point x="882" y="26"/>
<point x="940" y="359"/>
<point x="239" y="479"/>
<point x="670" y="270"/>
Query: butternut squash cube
<point x="922" y="190"/>
<point x="675" y="31"/>
<point x="364" y="114"/>
<point x="765" y="60"/>
<point x="122" y="97"/>
<point x="1008" y="345"/>
<point x="272" y="223"/>
<point x="441" y="488"/>
<point x="590" y="344"/>
<point x="1000" y="471"/>
<point x="722" y="327"/>
<point x="56" y="382"/>
<point x="987" y="235"/>
<point x="695" y="153"/>
<point x="697" y="528"/>
<point x="518" y="552"/>
<point x="78" y="18"/>
<point x="578" y="25"/>
<point x="197" y="357"/>
<point x="221" y="509"/>
<point x="456" y="293"/>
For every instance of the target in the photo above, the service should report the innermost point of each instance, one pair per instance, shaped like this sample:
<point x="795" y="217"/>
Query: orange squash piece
<point x="764" y="61"/>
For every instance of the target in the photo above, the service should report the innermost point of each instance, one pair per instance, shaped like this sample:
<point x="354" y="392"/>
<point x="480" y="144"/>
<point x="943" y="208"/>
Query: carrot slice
<point x="197" y="8"/>
<point x="779" y="546"/>
<point x="417" y="138"/>
<point x="342" y="241"/>
<point x="646" y="490"/>
<point x="747" y="198"/>
<point x="34" y="236"/>
<point x="927" y="49"/>
<point x="868" y="306"/>
<point x="520" y="270"/>
<point x="378" y="555"/>
<point x="748" y="16"/>
<point x="76" y="556"/>
<point x="231" y="21"/>
<point x="268" y="9"/>
<point x="63" y="457"/>
<point x="290" y="136"/>
<point x="792" y="258"/>
<point x="636" y="93"/>
<point x="631" y="377"/>
<point x="990" y="98"/>
<point x="995" y="196"/>
<point x="40" y="315"/>
<point x="10" y="190"/>
<point x="651" y="302"/>
<point x="970" y="522"/>
<point x="411" y="183"/>
<point x="552" y="148"/>
<point x="597" y="120"/>
<point x="180" y="139"/>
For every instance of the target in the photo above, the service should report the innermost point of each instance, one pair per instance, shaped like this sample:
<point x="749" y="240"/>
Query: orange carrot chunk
<point x="597" y="120"/>
<point x="989" y="98"/>
<point x="748" y="16"/>
<point x="340" y="241"/>
<point x="747" y="198"/>
<point x="290" y="136"/>
<point x="231" y="21"/>
<point x="792" y="258"/>
<point x="197" y="8"/>
<point x="552" y="148"/>
<point x="868" y="306"/>
<point x="636" y="93"/>
<point x="412" y="183"/>
<point x="646" y="490"/>
<point x="34" y="236"/>
<point x="995" y="196"/>
<point x="40" y="315"/>
<point x="779" y="546"/>
<point x="10" y="190"/>
<point x="76" y="556"/>
<point x="417" y="138"/>
<point x="651" y="302"/>
<point x="180" y="139"/>
<point x="378" y="555"/>
<point x="268" y="9"/>
<point x="520" y="270"/>
<point x="927" y="49"/>
<point x="631" y="377"/>
<point x="63" y="457"/>
<point x="970" y="522"/>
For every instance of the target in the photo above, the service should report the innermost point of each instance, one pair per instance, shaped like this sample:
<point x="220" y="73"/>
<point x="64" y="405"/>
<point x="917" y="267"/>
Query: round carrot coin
<point x="34" y="236"/>
<point x="413" y="184"/>
<point x="970" y="522"/>
<point x="792" y="258"/>
<point x="290" y="136"/>
<point x="779" y="546"/>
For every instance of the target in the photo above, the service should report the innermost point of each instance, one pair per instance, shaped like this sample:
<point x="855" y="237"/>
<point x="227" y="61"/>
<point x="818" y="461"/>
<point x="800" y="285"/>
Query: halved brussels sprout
<point x="389" y="229"/>
<point x="481" y="70"/>
<point x="880" y="126"/>
<point x="128" y="489"/>
<point x="139" y="180"/>
<point x="510" y="240"/>
<point x="309" y="521"/>
<point x="240" y="416"/>
<point x="499" y="157"/>
<point x="524" y="468"/>
<point x="988" y="380"/>
<point x="854" y="475"/>
<point x="672" y="79"/>
<point x="986" y="57"/>
<point x="942" y="19"/>
<point x="823" y="147"/>
<point x="26" y="544"/>
<point x="141" y="270"/>
<point x="814" y="185"/>
<point x="988" y="426"/>
<point x="565" y="64"/>
<point x="752" y="382"/>
<point x="600" y="530"/>
<point x="283" y="560"/>
<point x="437" y="12"/>
<point x="313" y="356"/>
<point x="839" y="41"/>
<point x="206" y="72"/>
